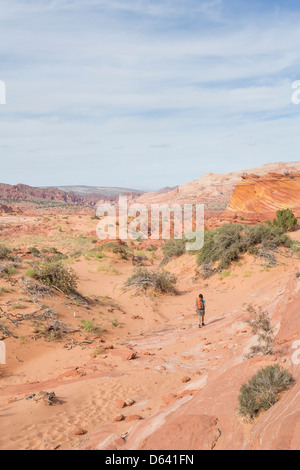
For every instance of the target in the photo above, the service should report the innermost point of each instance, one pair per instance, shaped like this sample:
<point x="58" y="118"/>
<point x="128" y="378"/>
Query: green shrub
<point x="247" y="273"/>
<point x="34" y="251"/>
<point x="174" y="247"/>
<point x="98" y="351"/>
<point x="54" y="274"/>
<point x="261" y="392"/>
<point x="89" y="327"/>
<point x="5" y="253"/>
<point x="11" y="270"/>
<point x="114" y="322"/>
<point x="151" y="248"/>
<point x="8" y="270"/>
<point x="5" y="290"/>
<point x="225" y="273"/>
<point x="229" y="241"/>
<point x="121" y="250"/>
<point x="285" y="220"/>
<point x="30" y="272"/>
<point x="295" y="247"/>
<point x="108" y="269"/>
<point x="160" y="281"/>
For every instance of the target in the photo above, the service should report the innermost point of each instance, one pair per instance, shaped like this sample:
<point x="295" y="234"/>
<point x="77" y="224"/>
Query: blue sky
<point x="145" y="94"/>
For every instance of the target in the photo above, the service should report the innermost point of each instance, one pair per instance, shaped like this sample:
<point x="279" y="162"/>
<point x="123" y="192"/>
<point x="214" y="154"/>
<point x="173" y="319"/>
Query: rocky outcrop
<point x="214" y="190"/>
<point x="257" y="198"/>
<point x="4" y="209"/>
<point x="22" y="192"/>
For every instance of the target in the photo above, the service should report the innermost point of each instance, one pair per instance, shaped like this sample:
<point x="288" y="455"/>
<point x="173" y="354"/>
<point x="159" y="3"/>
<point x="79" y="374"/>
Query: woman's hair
<point x="201" y="296"/>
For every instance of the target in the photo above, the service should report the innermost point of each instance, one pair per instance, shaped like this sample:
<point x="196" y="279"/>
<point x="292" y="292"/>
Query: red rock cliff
<point x="257" y="198"/>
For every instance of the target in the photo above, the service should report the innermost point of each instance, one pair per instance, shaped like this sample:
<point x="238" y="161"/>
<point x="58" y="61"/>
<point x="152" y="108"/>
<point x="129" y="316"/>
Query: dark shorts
<point x="200" y="313"/>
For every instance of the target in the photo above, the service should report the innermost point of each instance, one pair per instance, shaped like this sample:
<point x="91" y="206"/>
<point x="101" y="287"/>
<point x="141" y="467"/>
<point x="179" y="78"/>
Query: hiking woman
<point x="200" y="306"/>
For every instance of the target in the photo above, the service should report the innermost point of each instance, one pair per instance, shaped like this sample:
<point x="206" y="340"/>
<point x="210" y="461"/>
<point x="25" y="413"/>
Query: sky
<point x="146" y="93"/>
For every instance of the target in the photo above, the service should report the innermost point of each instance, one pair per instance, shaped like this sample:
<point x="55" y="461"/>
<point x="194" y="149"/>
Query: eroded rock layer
<point x="257" y="198"/>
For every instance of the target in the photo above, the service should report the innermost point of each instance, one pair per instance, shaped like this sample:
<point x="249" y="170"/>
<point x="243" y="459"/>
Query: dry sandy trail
<point x="163" y="333"/>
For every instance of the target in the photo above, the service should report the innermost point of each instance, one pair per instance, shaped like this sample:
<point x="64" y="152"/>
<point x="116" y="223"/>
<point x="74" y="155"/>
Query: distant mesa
<point x="102" y="191"/>
<point x="81" y="195"/>
<point x="22" y="192"/>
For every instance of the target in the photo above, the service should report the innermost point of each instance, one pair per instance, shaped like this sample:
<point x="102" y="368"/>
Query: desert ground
<point x="130" y="371"/>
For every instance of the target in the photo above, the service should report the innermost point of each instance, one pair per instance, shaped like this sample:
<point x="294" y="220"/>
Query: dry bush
<point x="159" y="281"/>
<point x="262" y="391"/>
<point x="261" y="326"/>
<point x="54" y="274"/>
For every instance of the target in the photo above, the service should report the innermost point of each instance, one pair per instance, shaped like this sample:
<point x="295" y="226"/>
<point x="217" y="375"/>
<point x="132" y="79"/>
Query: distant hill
<point x="23" y="192"/>
<point x="101" y="190"/>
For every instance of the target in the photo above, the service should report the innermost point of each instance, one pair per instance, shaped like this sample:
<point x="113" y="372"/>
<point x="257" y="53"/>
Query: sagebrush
<point x="262" y="391"/>
<point x="228" y="242"/>
<point x="54" y="274"/>
<point x="261" y="326"/>
<point x="159" y="281"/>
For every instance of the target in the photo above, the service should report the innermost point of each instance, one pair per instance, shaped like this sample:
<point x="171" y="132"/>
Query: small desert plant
<point x="5" y="253"/>
<point x="108" y="269"/>
<point x="247" y="273"/>
<point x="22" y="339"/>
<point x="224" y="274"/>
<point x="90" y="327"/>
<point x="98" y="351"/>
<point x="114" y="322"/>
<point x="295" y="247"/>
<point x="121" y="250"/>
<point x="208" y="270"/>
<point x="8" y="270"/>
<point x="174" y="247"/>
<point x="151" y="248"/>
<point x="18" y="306"/>
<point x="261" y="326"/>
<point x="160" y="281"/>
<point x="30" y="272"/>
<point x="56" y="330"/>
<point x="5" y="290"/>
<point x="34" y="251"/>
<point x="262" y="391"/>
